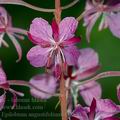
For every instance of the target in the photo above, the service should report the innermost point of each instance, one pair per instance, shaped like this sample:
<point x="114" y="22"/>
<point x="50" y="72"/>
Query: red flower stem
<point x="101" y="75"/>
<point x="57" y="11"/>
<point x="63" y="99"/>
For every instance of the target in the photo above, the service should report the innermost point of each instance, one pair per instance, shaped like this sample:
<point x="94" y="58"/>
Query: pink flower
<point x="88" y="64"/>
<point x="45" y="82"/>
<point x="110" y="16"/>
<point x="55" y="44"/>
<point x="6" y="87"/>
<point x="100" y="109"/>
<point x="6" y="27"/>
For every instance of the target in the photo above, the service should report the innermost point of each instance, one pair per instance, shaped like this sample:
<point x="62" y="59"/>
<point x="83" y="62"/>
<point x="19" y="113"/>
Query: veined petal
<point x="88" y="63"/>
<point x="67" y="28"/>
<point x="106" y="108"/>
<point x="79" y="114"/>
<point x="89" y="91"/>
<point x="71" y="55"/>
<point x="3" y="17"/>
<point x="17" y="46"/>
<point x="38" y="56"/>
<point x="3" y="78"/>
<point x="38" y="41"/>
<point x="45" y="82"/>
<point x="113" y="22"/>
<point x="2" y="101"/>
<point x="71" y="41"/>
<point x="111" y="118"/>
<point x="41" y="29"/>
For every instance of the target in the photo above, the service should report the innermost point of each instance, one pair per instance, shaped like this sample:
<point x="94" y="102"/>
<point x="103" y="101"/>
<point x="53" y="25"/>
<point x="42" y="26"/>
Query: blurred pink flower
<point x="88" y="64"/>
<point x="55" y="44"/>
<point x="110" y="16"/>
<point x="45" y="82"/>
<point x="6" y="87"/>
<point x="100" y="109"/>
<point x="6" y="27"/>
<point x="118" y="92"/>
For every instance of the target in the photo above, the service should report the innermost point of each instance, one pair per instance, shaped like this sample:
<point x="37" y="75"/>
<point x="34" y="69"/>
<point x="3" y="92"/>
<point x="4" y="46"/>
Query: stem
<point x="99" y="76"/>
<point x="27" y="84"/>
<point x="57" y="11"/>
<point x="63" y="98"/>
<point x="80" y="17"/>
<point x="22" y="3"/>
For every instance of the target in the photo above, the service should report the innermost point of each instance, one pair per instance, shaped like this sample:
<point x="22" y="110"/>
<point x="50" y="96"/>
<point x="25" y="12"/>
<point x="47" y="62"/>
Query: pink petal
<point x="111" y="118"/>
<point x="3" y="78"/>
<point x="45" y="82"/>
<point x="71" y="55"/>
<point x="2" y="101"/>
<point x="38" y="56"/>
<point x="79" y="114"/>
<point x="87" y="61"/>
<point x="67" y="28"/>
<point x="107" y="108"/>
<point x="89" y="91"/>
<point x="3" y="17"/>
<point x="114" y="25"/>
<point x="118" y="92"/>
<point x="41" y="29"/>
<point x="71" y="41"/>
<point x="38" y="41"/>
<point x="17" y="46"/>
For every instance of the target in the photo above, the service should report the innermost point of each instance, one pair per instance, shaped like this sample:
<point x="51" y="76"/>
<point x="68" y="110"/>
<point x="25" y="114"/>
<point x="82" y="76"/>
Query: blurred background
<point x="107" y="46"/>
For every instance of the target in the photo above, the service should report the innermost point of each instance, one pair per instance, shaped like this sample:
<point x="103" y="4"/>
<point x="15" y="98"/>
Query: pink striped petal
<point x="67" y="28"/>
<point x="71" y="55"/>
<point x="79" y="114"/>
<point x="111" y="118"/>
<point x="3" y="78"/>
<point x="2" y="101"/>
<point x="38" y="41"/>
<point x="3" y="17"/>
<point x="41" y="29"/>
<point x="38" y="56"/>
<point x="89" y="91"/>
<point x="114" y="25"/>
<point x="107" y="108"/>
<point x="88" y="61"/>
<point x="46" y="83"/>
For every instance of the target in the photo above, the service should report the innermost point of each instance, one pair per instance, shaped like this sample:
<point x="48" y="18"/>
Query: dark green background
<point x="107" y="46"/>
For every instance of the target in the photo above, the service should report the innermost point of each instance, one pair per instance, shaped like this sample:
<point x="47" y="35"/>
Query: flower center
<point x="102" y="7"/>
